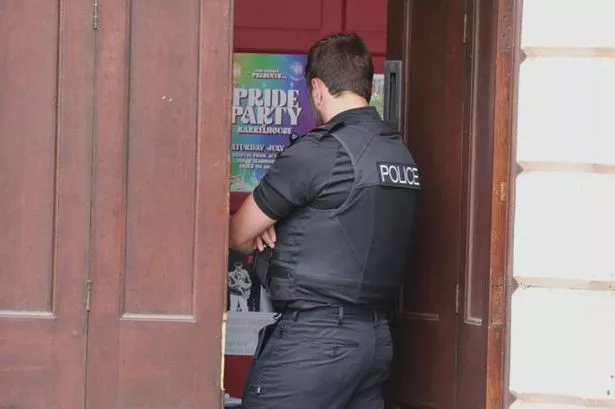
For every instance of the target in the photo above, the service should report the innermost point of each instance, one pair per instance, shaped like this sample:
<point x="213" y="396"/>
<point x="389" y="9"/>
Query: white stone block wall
<point x="563" y="313"/>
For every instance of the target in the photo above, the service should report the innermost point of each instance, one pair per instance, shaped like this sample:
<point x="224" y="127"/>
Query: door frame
<point x="506" y="61"/>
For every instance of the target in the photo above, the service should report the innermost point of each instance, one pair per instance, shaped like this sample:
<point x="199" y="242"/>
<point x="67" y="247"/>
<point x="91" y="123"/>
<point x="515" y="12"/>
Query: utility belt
<point x="364" y="313"/>
<point x="339" y="312"/>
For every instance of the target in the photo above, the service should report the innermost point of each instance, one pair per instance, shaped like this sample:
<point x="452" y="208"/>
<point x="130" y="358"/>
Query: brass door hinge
<point x="88" y="295"/>
<point x="465" y="28"/>
<point x="95" y="14"/>
<point x="457" y="299"/>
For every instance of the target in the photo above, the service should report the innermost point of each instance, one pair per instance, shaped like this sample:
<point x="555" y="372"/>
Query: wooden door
<point x="425" y="328"/>
<point x="160" y="205"/>
<point x="474" y="301"/>
<point x="45" y="165"/>
<point x="447" y="355"/>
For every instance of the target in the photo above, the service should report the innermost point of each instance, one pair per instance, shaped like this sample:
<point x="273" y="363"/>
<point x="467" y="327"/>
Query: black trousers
<point x="326" y="358"/>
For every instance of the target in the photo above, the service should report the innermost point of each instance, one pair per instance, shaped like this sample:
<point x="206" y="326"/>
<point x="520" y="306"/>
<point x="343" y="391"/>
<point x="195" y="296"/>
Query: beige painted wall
<point x="563" y="313"/>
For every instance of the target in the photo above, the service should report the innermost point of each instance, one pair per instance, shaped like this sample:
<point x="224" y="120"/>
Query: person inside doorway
<point x="336" y="213"/>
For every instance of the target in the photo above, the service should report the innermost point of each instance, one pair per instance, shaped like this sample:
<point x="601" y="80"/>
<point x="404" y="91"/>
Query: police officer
<point x="336" y="210"/>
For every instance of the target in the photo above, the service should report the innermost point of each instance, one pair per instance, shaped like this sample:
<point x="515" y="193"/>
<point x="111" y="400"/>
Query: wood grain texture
<point x="459" y="106"/>
<point x="160" y="204"/>
<point x="45" y="167"/>
<point x="507" y="62"/>
<point x="425" y="328"/>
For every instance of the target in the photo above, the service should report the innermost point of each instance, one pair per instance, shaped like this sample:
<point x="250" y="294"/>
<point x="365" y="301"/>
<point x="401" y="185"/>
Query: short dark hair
<point x="343" y="62"/>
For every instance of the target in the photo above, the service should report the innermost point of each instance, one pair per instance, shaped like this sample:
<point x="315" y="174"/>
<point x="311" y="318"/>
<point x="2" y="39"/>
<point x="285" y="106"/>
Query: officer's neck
<point x="342" y="102"/>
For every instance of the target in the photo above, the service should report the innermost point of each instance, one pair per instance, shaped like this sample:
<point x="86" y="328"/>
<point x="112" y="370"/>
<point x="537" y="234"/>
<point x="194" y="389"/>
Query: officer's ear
<point x="318" y="91"/>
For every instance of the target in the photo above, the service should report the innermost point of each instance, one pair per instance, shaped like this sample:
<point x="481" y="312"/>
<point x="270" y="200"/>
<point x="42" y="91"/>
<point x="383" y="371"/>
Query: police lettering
<point x="392" y="174"/>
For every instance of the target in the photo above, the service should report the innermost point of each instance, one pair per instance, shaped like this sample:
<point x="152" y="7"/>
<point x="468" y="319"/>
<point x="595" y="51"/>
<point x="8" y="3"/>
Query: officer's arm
<point x="294" y="179"/>
<point x="246" y="225"/>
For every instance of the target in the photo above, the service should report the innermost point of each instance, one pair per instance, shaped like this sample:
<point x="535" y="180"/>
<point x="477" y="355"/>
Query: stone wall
<point x="563" y="310"/>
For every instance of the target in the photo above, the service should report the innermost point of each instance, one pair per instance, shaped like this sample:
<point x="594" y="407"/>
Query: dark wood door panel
<point x="161" y="168"/>
<point x="428" y="36"/>
<point x="462" y="141"/>
<point x="422" y="367"/>
<point x="478" y="147"/>
<point x="45" y="166"/>
<point x="28" y="116"/>
<point x="160" y="204"/>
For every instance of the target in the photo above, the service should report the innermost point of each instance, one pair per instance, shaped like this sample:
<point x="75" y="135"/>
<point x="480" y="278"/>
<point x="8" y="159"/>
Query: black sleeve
<point x="296" y="177"/>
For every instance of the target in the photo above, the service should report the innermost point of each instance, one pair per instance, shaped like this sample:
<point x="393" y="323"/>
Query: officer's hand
<point x="266" y="238"/>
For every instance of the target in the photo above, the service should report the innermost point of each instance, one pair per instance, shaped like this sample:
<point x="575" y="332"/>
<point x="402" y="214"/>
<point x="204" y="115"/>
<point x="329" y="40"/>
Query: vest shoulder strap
<point x="354" y="138"/>
<point x="322" y="131"/>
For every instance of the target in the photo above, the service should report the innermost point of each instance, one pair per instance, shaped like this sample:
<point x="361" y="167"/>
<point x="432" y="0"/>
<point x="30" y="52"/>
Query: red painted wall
<point x="291" y="26"/>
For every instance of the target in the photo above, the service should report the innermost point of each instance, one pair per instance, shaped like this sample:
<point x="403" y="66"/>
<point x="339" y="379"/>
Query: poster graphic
<point x="248" y="305"/>
<point x="242" y="291"/>
<point x="377" y="100"/>
<point x="270" y="101"/>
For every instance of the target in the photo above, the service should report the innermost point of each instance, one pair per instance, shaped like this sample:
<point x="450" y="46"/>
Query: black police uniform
<point x="345" y="197"/>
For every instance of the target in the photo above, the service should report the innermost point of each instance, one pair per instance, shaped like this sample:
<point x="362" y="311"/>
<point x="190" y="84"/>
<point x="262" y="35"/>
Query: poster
<point x="248" y="305"/>
<point x="270" y="101"/>
<point x="377" y="100"/>
<point x="248" y="310"/>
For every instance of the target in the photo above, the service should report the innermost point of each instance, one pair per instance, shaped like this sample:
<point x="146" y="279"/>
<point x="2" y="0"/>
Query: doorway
<point x="458" y="74"/>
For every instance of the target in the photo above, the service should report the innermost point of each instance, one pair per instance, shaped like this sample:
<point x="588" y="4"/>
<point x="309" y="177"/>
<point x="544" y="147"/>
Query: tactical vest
<point x="357" y="253"/>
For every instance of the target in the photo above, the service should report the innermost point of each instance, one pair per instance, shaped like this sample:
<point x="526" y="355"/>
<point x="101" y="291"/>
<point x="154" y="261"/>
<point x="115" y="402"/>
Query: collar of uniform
<point x="367" y="113"/>
<point x="349" y="116"/>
